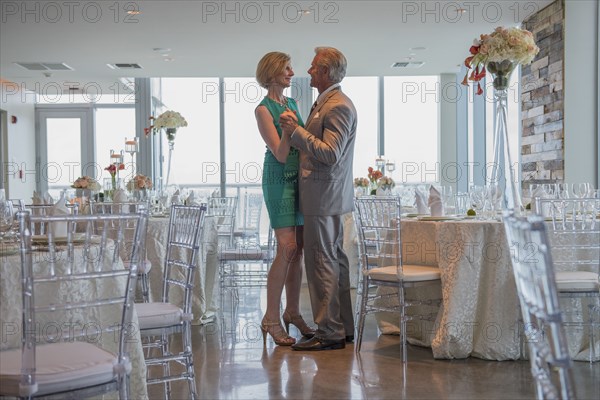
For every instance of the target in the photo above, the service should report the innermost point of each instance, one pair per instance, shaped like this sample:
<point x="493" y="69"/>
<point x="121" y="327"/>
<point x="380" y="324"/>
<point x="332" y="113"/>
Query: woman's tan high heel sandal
<point x="277" y="333"/>
<point x="299" y="323"/>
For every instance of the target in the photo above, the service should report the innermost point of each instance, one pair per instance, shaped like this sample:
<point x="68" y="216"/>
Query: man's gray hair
<point x="333" y="59"/>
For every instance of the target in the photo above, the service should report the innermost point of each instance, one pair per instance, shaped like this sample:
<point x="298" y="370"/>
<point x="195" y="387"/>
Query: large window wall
<point x="195" y="158"/>
<point x="411" y="126"/>
<point x="398" y="119"/>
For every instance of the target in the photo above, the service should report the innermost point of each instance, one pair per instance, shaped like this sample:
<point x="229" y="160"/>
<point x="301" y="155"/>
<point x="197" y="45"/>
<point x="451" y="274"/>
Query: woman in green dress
<point x="280" y="190"/>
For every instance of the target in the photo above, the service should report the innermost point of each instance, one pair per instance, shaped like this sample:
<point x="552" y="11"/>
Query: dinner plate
<point x="440" y="218"/>
<point x="413" y="215"/>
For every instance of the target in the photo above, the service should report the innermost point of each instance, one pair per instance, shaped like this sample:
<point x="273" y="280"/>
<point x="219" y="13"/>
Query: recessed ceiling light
<point x="168" y="59"/>
<point x="304" y="12"/>
<point x="461" y="10"/>
<point x="134" y="12"/>
<point x="161" y="49"/>
<point x="419" y="48"/>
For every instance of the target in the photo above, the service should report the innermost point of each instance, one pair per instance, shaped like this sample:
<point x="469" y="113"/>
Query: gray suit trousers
<point x="328" y="276"/>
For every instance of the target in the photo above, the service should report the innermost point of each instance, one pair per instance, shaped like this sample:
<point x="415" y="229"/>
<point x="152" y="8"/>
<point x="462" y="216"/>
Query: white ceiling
<point x="216" y="38"/>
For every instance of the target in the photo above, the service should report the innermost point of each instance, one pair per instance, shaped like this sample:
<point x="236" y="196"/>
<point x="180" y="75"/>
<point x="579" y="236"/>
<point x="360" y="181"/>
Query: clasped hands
<point x="288" y="122"/>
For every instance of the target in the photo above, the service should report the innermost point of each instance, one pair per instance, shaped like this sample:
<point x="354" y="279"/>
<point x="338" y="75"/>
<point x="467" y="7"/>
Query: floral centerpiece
<point x="361" y="182"/>
<point x="169" y="121"/>
<point x="86" y="182"/>
<point x="113" y="169"/>
<point x="500" y="52"/>
<point x="139" y="182"/>
<point x="386" y="183"/>
<point x="361" y="186"/>
<point x="374" y="180"/>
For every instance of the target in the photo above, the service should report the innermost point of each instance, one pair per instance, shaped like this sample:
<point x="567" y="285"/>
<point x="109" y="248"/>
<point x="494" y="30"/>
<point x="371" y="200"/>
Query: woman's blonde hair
<point x="271" y="65"/>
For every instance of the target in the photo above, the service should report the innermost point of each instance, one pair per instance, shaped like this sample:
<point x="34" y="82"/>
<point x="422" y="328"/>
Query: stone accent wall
<point x="542" y="154"/>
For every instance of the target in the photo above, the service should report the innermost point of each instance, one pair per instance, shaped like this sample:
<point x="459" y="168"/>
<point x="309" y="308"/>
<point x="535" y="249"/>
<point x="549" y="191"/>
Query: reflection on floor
<point x="231" y="363"/>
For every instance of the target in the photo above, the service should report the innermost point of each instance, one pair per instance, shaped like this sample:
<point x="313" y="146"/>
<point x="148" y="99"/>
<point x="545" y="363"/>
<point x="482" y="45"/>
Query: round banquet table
<point x="204" y="303"/>
<point x="480" y="314"/>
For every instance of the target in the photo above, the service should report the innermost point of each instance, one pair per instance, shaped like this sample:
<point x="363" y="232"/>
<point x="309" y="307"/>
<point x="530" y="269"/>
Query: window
<point x="411" y="126"/>
<point x="244" y="147"/>
<point x="195" y="158"/>
<point x="113" y="125"/>
<point x="364" y="93"/>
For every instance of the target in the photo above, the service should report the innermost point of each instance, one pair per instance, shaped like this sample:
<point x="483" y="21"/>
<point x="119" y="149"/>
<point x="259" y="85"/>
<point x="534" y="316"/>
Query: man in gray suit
<point x="326" y="147"/>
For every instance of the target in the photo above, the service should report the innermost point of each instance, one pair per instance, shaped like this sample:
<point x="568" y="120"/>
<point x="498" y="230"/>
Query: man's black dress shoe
<point x="316" y="344"/>
<point x="349" y="338"/>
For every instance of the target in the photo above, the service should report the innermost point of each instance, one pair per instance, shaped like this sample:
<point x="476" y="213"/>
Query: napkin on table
<point x="37" y="198"/>
<point x="48" y="199"/>
<point x="175" y="199"/>
<point x="59" y="229"/>
<point x="435" y="202"/>
<point x="421" y="202"/>
<point x="191" y="200"/>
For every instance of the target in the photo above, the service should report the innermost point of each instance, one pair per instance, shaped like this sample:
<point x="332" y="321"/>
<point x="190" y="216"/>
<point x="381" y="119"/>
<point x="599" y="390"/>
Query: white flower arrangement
<point x="504" y="44"/>
<point x="86" y="182"/>
<point x="169" y="119"/>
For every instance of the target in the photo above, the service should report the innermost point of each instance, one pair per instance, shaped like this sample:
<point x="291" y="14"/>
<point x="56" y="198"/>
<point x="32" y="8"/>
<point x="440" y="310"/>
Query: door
<point x="65" y="147"/>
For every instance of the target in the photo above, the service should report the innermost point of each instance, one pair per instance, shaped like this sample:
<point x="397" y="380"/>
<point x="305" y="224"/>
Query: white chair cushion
<point x="577" y="281"/>
<point x="412" y="273"/>
<point x="158" y="315"/>
<point x="241" y="254"/>
<point x="143" y="268"/>
<point x="59" y="367"/>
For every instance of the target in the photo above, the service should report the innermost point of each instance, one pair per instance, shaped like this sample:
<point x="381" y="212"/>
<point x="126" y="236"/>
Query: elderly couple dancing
<point x="307" y="186"/>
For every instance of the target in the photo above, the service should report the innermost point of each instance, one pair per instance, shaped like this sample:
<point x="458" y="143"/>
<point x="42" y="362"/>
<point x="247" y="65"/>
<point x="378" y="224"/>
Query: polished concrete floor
<point x="231" y="363"/>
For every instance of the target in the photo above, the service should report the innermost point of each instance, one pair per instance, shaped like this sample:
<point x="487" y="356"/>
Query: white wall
<point x="581" y="91"/>
<point x="21" y="141"/>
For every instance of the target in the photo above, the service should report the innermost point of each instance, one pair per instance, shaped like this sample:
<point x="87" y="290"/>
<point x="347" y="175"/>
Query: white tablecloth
<point x="203" y="301"/>
<point x="480" y="312"/>
<point x="11" y="313"/>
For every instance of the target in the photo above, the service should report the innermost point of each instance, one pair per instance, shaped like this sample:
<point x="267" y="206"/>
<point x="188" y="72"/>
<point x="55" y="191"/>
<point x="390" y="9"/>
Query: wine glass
<point x="581" y="190"/>
<point x="562" y="191"/>
<point x="478" y="200"/>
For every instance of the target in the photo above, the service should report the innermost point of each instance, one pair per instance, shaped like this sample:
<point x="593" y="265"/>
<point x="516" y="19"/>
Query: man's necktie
<point x="313" y="108"/>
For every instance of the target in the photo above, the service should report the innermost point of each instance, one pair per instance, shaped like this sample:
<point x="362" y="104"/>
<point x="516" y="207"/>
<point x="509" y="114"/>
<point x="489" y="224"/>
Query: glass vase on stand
<point x="171" y="140"/>
<point x="502" y="174"/>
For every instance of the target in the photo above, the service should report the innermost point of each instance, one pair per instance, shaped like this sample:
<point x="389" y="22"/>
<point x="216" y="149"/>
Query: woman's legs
<point x="293" y="282"/>
<point x="278" y="273"/>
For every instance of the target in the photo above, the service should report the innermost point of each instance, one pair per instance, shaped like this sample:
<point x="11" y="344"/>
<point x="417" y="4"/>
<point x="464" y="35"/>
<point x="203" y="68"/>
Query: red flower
<point x="112" y="168"/>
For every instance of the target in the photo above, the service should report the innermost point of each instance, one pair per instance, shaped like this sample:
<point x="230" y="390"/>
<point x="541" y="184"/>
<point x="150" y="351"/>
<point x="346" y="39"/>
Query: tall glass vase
<point x="171" y="139"/>
<point x="503" y="174"/>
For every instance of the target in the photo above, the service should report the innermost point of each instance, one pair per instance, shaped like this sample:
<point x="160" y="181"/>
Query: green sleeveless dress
<point x="280" y="181"/>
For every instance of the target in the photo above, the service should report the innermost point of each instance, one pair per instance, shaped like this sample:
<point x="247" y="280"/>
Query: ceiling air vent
<point x="44" y="66"/>
<point x="124" y="66"/>
<point x="408" y="64"/>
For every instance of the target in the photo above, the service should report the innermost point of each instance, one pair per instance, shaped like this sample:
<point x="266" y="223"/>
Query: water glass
<point x="479" y="200"/>
<point x="581" y="190"/>
<point x="461" y="201"/>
